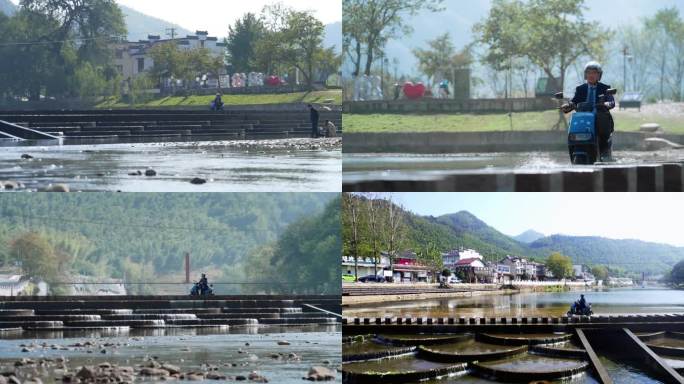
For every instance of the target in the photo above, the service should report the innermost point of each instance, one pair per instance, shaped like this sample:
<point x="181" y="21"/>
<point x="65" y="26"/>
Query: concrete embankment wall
<point x="393" y="293"/>
<point x="496" y="141"/>
<point x="430" y="105"/>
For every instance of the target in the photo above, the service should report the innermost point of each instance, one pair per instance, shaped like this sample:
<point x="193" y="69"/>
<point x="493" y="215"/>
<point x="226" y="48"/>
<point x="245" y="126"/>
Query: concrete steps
<point x="133" y="126"/>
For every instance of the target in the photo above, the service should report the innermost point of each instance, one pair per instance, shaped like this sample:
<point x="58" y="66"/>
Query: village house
<point x="365" y="265"/>
<point x="133" y="58"/>
<point x="449" y="259"/>
<point x="581" y="272"/>
<point x="407" y="269"/>
<point x="473" y="270"/>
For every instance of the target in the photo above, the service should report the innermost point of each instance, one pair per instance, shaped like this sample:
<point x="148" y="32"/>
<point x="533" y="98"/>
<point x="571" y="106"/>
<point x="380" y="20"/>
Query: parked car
<point x="453" y="280"/>
<point x="348" y="278"/>
<point x="371" y="279"/>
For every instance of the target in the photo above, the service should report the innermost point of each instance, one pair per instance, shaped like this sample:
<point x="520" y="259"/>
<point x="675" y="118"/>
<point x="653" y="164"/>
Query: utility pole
<point x="624" y="68"/>
<point x="382" y="74"/>
<point x="171" y="32"/>
<point x="187" y="267"/>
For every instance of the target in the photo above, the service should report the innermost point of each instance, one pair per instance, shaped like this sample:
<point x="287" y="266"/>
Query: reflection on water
<point x="582" y="378"/>
<point x="406" y="166"/>
<point x="615" y="301"/>
<point x="626" y="372"/>
<point x="228" y="169"/>
<point x="168" y="331"/>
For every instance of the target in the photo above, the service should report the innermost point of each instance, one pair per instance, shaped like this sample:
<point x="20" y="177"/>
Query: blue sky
<point x="216" y="15"/>
<point x="653" y="217"/>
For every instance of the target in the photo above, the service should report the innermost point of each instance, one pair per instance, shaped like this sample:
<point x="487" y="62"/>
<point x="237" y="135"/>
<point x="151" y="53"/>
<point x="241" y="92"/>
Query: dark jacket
<point x="313" y="114"/>
<point x="582" y="91"/>
<point x="604" y="120"/>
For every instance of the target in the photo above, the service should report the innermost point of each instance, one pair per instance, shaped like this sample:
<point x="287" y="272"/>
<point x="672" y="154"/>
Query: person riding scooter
<point x="582" y="303"/>
<point x="590" y="92"/>
<point x="203" y="284"/>
<point x="217" y="103"/>
<point x="580" y="307"/>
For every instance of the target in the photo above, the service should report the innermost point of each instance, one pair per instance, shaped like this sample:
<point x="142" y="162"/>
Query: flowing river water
<point x="283" y="165"/>
<point x="359" y="167"/>
<point x="609" y="301"/>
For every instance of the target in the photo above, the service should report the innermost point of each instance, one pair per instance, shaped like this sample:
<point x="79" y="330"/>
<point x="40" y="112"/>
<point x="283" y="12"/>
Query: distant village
<point x="17" y="284"/>
<point x="468" y="266"/>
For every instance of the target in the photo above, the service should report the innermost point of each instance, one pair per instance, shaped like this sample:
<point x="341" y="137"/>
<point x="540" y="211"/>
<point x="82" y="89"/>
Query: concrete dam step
<point x="157" y="312"/>
<point x="665" y="177"/>
<point x="140" y="304"/>
<point x="79" y="311"/>
<point x="597" y="319"/>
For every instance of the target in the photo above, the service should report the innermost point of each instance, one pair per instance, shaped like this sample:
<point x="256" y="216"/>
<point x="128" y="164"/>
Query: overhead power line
<point x="109" y="223"/>
<point x="56" y="41"/>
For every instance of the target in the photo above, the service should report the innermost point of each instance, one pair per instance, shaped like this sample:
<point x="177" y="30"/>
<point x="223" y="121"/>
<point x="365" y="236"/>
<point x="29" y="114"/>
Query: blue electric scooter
<point x="583" y="145"/>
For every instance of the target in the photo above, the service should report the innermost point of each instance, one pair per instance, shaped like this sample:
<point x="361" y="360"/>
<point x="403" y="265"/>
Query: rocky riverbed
<point x="261" y="358"/>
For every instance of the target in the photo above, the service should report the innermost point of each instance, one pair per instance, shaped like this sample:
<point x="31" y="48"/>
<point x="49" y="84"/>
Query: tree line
<point x="520" y="41"/>
<point x="374" y="223"/>
<point x="59" y="48"/>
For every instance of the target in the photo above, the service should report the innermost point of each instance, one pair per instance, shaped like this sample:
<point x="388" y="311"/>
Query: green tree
<point x="376" y="22"/>
<point x="307" y="255"/>
<point x="431" y="257"/>
<point x="559" y="265"/>
<point x="552" y="34"/>
<point x="354" y="227"/>
<point x="441" y="57"/>
<point x="668" y="28"/>
<point x="47" y="44"/>
<point x="677" y="274"/>
<point x="600" y="272"/>
<point x="241" y="41"/>
<point x="353" y="32"/>
<point x="302" y="41"/>
<point x="186" y="64"/>
<point x="36" y="255"/>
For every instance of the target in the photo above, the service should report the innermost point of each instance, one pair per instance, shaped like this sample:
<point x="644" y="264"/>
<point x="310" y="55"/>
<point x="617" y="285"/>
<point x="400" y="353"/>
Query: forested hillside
<point x="133" y="234"/>
<point x="463" y="229"/>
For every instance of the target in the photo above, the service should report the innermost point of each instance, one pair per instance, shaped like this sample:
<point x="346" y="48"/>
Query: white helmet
<point x="593" y="65"/>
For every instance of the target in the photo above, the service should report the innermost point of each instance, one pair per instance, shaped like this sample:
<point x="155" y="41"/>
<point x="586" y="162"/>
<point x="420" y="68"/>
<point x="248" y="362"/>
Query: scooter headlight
<point x="580" y="136"/>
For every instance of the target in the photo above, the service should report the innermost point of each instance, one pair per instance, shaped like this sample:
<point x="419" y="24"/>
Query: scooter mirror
<point x="558" y="95"/>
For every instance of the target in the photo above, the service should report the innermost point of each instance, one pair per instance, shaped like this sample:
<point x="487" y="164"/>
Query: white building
<point x="15" y="285"/>
<point x="133" y="58"/>
<point x="581" y="272"/>
<point x="364" y="265"/>
<point x="451" y="258"/>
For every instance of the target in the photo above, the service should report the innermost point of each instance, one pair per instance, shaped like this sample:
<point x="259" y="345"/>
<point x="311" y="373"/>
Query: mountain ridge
<point x="463" y="229"/>
<point x="529" y="236"/>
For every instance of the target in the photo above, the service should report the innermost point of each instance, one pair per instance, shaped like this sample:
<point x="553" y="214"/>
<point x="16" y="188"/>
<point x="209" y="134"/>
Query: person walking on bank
<point x="313" y="114"/>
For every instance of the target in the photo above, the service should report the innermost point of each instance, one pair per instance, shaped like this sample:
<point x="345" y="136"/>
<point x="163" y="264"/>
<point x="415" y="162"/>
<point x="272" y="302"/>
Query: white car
<point x="453" y="280"/>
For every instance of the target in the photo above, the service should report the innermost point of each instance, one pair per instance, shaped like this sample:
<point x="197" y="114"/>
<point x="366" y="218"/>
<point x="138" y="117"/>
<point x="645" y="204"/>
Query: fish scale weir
<point x="88" y="312"/>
